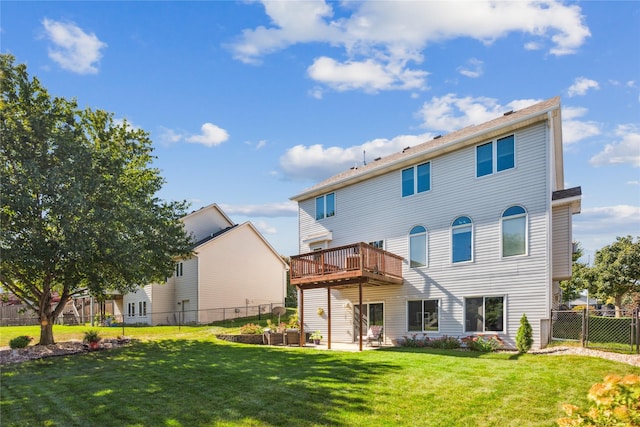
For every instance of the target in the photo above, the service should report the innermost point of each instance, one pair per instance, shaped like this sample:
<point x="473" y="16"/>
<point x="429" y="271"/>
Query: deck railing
<point x="358" y="257"/>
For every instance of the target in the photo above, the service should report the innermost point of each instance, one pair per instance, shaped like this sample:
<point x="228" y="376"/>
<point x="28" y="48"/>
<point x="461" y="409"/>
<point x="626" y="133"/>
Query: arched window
<point x="418" y="247"/>
<point x="514" y="231"/>
<point x="461" y="239"/>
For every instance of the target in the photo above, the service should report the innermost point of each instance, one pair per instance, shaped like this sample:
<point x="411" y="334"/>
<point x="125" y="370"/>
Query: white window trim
<point x="426" y="244"/>
<point x="422" y="300"/>
<point x="526" y="232"/>
<point x="324" y="203"/>
<point x="483" y="332"/>
<point x="473" y="243"/>
<point x="494" y="156"/>
<point x="415" y="180"/>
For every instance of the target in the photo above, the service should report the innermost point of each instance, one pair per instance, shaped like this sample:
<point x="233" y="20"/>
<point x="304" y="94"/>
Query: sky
<point x="248" y="103"/>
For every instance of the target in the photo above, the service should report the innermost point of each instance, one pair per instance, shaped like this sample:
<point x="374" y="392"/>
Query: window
<point x="142" y="305"/>
<point x="377" y="244"/>
<point x="326" y="206"/>
<point x="461" y="239"/>
<point x="179" y="270"/>
<point x="418" y="247"/>
<point x="422" y="315"/>
<point x="495" y="157"/>
<point x="484" y="314"/>
<point x="131" y="309"/>
<point x="416" y="179"/>
<point x="514" y="231"/>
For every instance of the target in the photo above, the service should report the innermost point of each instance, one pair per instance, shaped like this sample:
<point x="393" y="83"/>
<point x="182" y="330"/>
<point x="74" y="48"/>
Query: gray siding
<point x="374" y="210"/>
<point x="562" y="244"/>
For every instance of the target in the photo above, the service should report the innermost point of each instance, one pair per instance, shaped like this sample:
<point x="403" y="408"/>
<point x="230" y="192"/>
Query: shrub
<point x="92" y="335"/>
<point x="615" y="402"/>
<point x="482" y="343"/>
<point x="524" y="337"/>
<point x="445" y="343"/>
<point x="414" y="341"/>
<point x="20" y="342"/>
<point x="251" y="329"/>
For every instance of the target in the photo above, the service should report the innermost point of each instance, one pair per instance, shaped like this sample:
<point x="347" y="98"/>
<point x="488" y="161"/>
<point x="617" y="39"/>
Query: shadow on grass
<point x="183" y="382"/>
<point x="440" y="352"/>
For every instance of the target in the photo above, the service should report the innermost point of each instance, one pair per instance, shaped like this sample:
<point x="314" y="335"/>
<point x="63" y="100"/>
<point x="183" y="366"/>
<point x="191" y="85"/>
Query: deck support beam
<point x="329" y="318"/>
<point x="361" y="315"/>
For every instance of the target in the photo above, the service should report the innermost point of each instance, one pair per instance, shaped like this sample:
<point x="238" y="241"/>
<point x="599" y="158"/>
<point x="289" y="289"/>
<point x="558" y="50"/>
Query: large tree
<point x="572" y="288"/>
<point x="616" y="270"/>
<point x="79" y="211"/>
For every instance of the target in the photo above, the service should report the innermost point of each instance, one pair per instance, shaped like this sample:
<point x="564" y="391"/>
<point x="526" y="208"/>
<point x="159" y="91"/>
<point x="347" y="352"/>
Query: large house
<point x="458" y="236"/>
<point x="233" y="268"/>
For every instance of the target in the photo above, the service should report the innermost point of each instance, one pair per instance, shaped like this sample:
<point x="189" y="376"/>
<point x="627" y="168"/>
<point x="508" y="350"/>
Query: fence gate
<point x="598" y="328"/>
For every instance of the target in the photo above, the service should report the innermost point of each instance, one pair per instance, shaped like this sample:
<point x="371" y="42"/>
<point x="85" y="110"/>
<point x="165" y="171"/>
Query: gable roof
<point x="213" y="206"/>
<point x="212" y="236"/>
<point x="230" y="230"/>
<point x="439" y="145"/>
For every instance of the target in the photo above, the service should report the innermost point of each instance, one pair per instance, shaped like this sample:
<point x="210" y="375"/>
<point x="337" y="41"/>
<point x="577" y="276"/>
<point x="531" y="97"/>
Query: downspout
<point x="549" y="210"/>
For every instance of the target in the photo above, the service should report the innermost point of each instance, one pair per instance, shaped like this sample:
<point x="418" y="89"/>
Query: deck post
<point x="329" y="317"/>
<point x="303" y="335"/>
<point x="360" y="320"/>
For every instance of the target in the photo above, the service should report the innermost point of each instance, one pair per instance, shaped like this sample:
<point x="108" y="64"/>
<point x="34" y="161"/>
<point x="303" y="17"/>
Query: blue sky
<point x="249" y="103"/>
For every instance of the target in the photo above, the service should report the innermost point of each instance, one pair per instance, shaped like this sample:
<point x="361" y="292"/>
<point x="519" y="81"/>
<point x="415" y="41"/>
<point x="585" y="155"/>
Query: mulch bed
<point x="32" y="352"/>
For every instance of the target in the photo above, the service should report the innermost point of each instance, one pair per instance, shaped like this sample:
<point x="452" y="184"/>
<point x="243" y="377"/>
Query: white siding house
<point x="232" y="266"/>
<point x="480" y="221"/>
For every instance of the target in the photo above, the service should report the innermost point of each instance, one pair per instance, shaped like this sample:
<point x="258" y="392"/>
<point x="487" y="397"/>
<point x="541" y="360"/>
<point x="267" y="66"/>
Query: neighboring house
<point x="462" y="235"/>
<point x="232" y="266"/>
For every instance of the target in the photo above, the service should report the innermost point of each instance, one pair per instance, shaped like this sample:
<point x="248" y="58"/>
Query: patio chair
<point x="292" y="337"/>
<point x="374" y="335"/>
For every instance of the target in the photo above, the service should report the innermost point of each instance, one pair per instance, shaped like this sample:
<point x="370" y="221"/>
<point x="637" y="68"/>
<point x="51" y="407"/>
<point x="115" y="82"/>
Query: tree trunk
<point x="46" y="331"/>
<point x="618" y="304"/>
<point x="47" y="317"/>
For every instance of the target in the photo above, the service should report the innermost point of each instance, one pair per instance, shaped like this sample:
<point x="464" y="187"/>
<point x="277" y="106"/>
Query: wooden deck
<point x="346" y="265"/>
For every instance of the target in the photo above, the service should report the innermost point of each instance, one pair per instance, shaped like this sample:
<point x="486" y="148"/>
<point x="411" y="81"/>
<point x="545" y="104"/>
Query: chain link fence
<point x="20" y="316"/>
<point x="603" y="329"/>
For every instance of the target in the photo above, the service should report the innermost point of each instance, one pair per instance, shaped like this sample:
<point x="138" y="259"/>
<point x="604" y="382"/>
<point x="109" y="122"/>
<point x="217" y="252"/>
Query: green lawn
<point x="192" y="379"/>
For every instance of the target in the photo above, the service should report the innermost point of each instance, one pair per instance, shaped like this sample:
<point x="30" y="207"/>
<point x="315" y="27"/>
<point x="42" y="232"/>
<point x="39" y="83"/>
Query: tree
<point x="572" y="288"/>
<point x="78" y="210"/>
<point x="524" y="337"/>
<point x="616" y="270"/>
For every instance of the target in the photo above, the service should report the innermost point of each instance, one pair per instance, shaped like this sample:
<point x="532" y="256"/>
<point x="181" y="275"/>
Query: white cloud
<point x="370" y="75"/>
<point x="271" y="210"/>
<point x="597" y="227"/>
<point x="450" y="112"/>
<point x="316" y="162"/>
<point x="379" y="39"/>
<point x="627" y="150"/>
<point x="581" y="85"/>
<point x="576" y="130"/>
<point x="261" y="144"/>
<point x="211" y="135"/>
<point x="473" y="69"/>
<point x="633" y="182"/>
<point x="264" y="227"/>
<point x="73" y="49"/>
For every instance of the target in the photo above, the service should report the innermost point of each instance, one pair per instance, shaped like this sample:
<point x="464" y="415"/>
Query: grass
<point x="192" y="379"/>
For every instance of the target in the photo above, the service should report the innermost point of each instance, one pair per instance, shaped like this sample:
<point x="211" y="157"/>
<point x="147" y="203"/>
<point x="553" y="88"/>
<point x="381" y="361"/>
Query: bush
<point x="482" y="343"/>
<point x="445" y="343"/>
<point x="414" y="341"/>
<point x="251" y="329"/>
<point x="615" y="402"/>
<point x="92" y="335"/>
<point x="20" y="342"/>
<point x="524" y="337"/>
